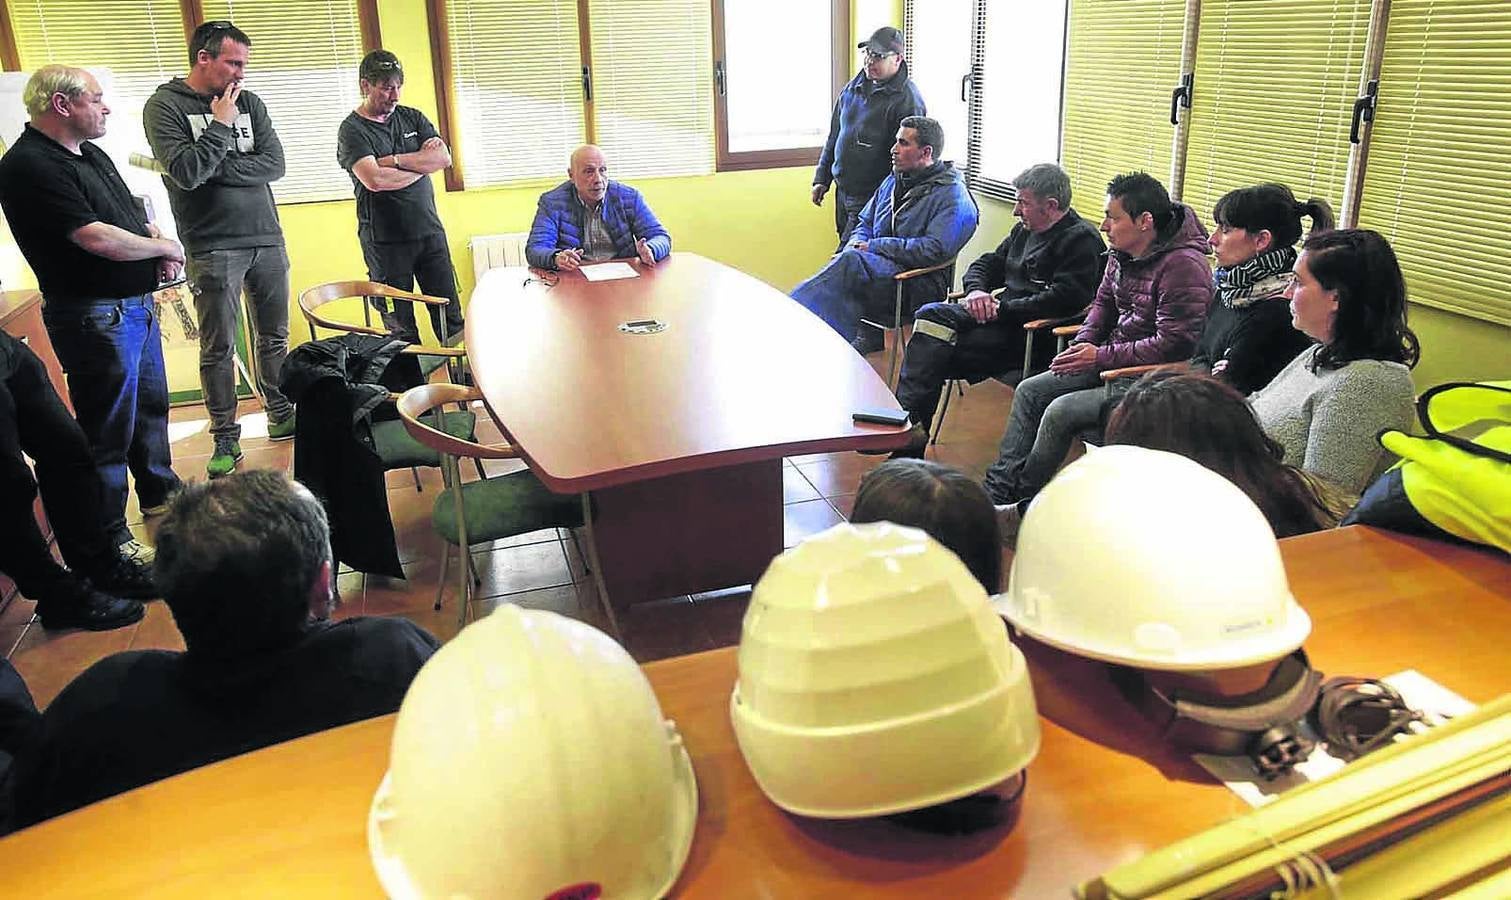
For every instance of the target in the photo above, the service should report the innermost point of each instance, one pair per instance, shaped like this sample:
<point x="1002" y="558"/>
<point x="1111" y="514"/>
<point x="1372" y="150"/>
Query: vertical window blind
<point x="303" y="65"/>
<point x="1122" y="61"/>
<point x="1275" y="87"/>
<point x="1436" y="183"/>
<point x="653" y="112"/>
<point x="516" y="71"/>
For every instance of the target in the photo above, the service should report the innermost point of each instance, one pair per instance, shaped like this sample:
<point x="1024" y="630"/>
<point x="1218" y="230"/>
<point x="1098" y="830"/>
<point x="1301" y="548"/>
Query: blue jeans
<point x="1048" y="412"/>
<point x="112" y="351"/>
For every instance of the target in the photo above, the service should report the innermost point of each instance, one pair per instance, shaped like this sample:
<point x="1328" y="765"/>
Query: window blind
<point x="1122" y="60"/>
<point x="303" y="66"/>
<point x="141" y="42"/>
<point x="1275" y="87"/>
<point x="516" y="69"/>
<point x="653" y="111"/>
<point x="1019" y="55"/>
<point x="1435" y="184"/>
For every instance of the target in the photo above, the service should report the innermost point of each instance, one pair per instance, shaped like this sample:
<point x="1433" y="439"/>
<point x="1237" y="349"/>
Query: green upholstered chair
<point x="495" y="507"/>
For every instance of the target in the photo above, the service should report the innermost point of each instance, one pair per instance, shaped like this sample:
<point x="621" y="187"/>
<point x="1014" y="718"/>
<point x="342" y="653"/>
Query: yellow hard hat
<point x="875" y="678"/>
<point x="530" y="759"/>
<point x="1148" y="559"/>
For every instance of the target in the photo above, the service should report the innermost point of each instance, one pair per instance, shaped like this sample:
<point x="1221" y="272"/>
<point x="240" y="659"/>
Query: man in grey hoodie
<point x="219" y="153"/>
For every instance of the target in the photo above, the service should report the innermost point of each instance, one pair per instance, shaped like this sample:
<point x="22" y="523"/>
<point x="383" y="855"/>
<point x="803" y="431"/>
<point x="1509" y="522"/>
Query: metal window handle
<point x="587" y="84"/>
<point x="719" y="84"/>
<point x="967" y="81"/>
<point x="1181" y="96"/>
<point x="1364" y="109"/>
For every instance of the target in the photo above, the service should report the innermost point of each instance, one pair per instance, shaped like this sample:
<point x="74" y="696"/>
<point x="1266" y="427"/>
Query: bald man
<point x="589" y="218"/>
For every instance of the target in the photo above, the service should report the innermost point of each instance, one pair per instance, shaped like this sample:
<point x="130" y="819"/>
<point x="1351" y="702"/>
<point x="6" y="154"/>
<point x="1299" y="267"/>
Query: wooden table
<point x="290" y="820"/>
<point x="678" y="435"/>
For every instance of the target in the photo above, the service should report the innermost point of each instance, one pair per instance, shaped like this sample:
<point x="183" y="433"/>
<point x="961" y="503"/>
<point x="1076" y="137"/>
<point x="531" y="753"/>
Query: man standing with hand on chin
<point x="589" y="218"/>
<point x="219" y="153"/>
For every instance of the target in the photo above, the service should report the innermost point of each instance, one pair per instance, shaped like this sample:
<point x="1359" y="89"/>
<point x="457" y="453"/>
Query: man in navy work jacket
<point x="589" y="218"/>
<point x="920" y="216"/>
<point x="868" y="111"/>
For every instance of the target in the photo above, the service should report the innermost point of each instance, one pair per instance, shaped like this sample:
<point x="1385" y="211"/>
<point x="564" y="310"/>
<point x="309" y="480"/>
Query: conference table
<point x="676" y="427"/>
<point x="290" y="820"/>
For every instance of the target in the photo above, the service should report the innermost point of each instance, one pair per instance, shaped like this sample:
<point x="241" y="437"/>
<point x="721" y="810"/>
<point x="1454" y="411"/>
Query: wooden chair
<point x="493" y="507"/>
<point x="894" y="328"/>
<point x="395" y="447"/>
<point x="1063" y="328"/>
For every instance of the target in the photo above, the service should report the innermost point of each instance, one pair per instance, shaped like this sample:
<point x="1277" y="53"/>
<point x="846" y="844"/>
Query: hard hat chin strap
<point x="1263" y="725"/>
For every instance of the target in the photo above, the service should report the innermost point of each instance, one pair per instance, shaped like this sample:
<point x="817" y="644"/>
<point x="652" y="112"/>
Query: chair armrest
<point x="914" y="273"/>
<point x="1134" y="371"/>
<point x="1065" y="330"/>
<point x="414" y="403"/>
<point x="427" y="350"/>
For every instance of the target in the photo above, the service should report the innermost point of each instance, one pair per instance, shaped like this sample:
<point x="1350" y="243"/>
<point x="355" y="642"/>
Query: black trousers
<point x="34" y="421"/>
<point x="400" y="265"/>
<point x="959" y="347"/>
<point x="847" y="207"/>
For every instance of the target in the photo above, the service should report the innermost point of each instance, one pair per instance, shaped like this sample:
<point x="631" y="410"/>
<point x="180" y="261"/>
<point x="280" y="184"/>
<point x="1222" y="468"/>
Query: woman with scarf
<point x="1248" y="337"/>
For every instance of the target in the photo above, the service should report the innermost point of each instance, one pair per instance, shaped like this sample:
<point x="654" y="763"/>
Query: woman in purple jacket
<point x="1150" y="308"/>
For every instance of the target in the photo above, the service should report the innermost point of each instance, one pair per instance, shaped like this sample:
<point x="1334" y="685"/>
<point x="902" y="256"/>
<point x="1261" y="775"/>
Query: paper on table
<point x="609" y="271"/>
<point x="1419" y="692"/>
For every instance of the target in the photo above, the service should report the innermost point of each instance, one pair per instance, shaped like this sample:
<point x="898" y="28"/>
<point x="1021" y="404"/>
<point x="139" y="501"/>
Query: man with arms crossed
<point x="390" y="150"/>
<point x="219" y="153"/>
<point x="98" y="262"/>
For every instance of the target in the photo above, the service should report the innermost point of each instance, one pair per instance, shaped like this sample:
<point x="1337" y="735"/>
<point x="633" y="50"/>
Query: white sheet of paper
<point x="609" y="271"/>
<point x="1419" y="692"/>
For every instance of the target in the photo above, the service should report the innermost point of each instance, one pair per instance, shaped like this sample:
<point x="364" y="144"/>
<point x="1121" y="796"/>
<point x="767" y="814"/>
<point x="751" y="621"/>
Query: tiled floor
<point x="541" y="570"/>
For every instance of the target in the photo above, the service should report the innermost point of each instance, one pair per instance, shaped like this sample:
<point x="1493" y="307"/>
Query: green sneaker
<point x="223" y="461"/>
<point x="281" y="431"/>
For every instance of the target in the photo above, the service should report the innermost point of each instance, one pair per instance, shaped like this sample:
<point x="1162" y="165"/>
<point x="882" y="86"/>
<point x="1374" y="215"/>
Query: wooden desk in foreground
<point x="679" y="434"/>
<point x="290" y="820"/>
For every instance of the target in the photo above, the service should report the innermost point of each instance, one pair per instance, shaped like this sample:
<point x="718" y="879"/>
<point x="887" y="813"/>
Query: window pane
<point x="517" y="71"/>
<point x="941" y="57"/>
<point x="653" y="112"/>
<point x="141" y="42"/>
<point x="1023" y="62"/>
<point x="778" y="60"/>
<point x="304" y="67"/>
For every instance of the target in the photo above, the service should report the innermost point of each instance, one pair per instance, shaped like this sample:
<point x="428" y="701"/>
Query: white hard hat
<point x="875" y="678"/>
<point x="530" y="760"/>
<point x="1148" y="559"/>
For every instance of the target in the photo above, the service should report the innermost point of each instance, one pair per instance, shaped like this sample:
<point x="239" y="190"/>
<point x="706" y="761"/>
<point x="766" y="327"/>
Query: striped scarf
<point x="1262" y="277"/>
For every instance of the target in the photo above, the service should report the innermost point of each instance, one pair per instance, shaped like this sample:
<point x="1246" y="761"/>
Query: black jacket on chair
<point x="340" y="385"/>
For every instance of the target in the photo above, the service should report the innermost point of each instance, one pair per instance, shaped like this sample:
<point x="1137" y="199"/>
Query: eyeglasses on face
<point x="873" y="56"/>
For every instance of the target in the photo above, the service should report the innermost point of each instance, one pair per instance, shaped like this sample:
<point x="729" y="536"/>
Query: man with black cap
<point x="866" y="116"/>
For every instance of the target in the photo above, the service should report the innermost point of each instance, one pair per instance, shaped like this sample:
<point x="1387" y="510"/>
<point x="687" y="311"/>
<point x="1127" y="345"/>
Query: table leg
<point x="688" y="533"/>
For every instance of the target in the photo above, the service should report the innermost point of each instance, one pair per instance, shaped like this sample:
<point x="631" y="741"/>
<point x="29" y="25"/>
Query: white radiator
<point x="492" y="251"/>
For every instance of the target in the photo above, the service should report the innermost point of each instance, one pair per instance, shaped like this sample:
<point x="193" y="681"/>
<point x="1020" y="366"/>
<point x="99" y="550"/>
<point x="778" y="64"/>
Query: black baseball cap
<point x="885" y="40"/>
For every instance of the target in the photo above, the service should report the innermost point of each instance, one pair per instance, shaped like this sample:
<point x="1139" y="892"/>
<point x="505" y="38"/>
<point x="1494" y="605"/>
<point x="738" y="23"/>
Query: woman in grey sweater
<point x="1328" y="405"/>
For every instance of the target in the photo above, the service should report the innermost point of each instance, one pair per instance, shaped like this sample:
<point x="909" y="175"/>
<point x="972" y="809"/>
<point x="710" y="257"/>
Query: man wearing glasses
<point x="390" y="150"/>
<point x="219" y="154"/>
<point x="857" y="155"/>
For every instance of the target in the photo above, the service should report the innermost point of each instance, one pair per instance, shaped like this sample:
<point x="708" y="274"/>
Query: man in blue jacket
<point x="921" y="215"/>
<point x="868" y="111"/>
<point x="589" y="218"/>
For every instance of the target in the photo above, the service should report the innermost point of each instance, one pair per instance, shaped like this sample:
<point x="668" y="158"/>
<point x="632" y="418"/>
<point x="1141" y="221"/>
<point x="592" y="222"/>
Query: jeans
<point x="948" y="343"/>
<point x="1048" y="412"/>
<point x="112" y="351"/>
<point x="847" y="207"/>
<point x="217" y="278"/>
<point x="34" y="421"/>
<point x="852" y="283"/>
<point x="400" y="265"/>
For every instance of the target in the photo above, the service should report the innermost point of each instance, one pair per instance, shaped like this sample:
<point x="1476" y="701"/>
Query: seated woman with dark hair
<point x="1326" y="407"/>
<point x="943" y="503"/>
<point x="1208" y="421"/>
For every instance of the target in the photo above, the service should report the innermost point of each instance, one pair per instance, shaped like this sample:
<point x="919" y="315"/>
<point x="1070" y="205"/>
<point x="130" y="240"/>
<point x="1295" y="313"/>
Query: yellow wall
<point x="1454" y="347"/>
